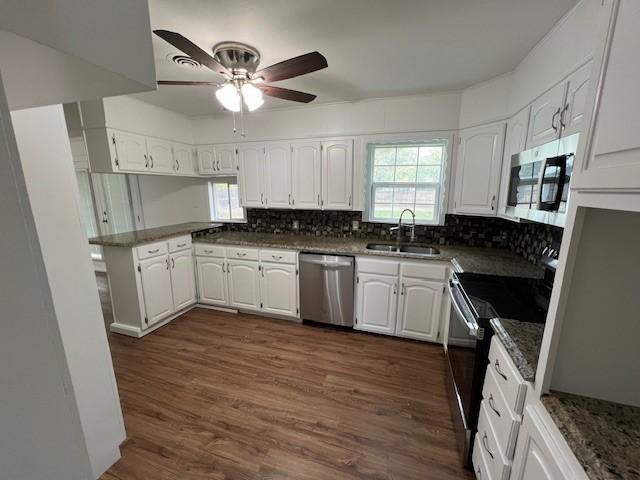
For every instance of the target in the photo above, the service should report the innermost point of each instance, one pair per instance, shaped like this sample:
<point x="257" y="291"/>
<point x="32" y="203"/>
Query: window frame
<point x="442" y="187"/>
<point x="212" y="203"/>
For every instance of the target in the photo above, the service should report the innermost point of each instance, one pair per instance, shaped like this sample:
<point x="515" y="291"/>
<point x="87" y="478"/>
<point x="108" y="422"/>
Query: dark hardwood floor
<point x="221" y="396"/>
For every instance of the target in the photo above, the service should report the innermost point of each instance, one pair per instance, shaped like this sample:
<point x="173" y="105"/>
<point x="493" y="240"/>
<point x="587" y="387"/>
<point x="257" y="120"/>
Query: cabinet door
<point x="156" y="288"/>
<point x="377" y="297"/>
<point x="419" y="309"/>
<point x="250" y="161"/>
<point x="306" y="172"/>
<point x="279" y="289"/>
<point x="244" y="285"/>
<point x="212" y="281"/>
<point x="277" y="164"/>
<point x="573" y="112"/>
<point x="226" y="163"/>
<point x="131" y="152"/>
<point x="478" y="170"/>
<point x="206" y="160"/>
<point x="534" y="458"/>
<point x="160" y="156"/>
<point x="544" y="122"/>
<point x="183" y="159"/>
<point x="337" y="173"/>
<point x="515" y="142"/>
<point x="183" y="284"/>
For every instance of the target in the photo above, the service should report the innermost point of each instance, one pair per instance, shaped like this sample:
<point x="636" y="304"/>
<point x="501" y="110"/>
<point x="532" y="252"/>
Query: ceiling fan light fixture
<point x="229" y="97"/>
<point x="252" y="96"/>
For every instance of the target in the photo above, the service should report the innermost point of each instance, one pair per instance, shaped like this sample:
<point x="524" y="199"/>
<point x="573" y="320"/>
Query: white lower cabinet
<point x="279" y="289"/>
<point x="399" y="298"/>
<point x="183" y="285"/>
<point x="212" y="281"/>
<point x="244" y="285"/>
<point x="156" y="288"/>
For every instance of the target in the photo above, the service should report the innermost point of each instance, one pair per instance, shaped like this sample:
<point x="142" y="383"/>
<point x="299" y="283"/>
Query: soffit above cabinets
<point x="374" y="48"/>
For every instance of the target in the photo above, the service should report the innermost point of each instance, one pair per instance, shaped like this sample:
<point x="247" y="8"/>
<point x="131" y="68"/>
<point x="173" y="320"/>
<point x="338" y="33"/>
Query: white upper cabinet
<point x="419" y="309"/>
<point x="306" y="175"/>
<point x="160" y="156"/>
<point x="212" y="281"/>
<point x="377" y="297"/>
<point x="183" y="159"/>
<point x="544" y="122"/>
<point x="609" y="157"/>
<point x="183" y="283"/>
<point x="156" y="288"/>
<point x="226" y="162"/>
<point x="277" y="175"/>
<point x="573" y="112"/>
<point x="131" y="152"/>
<point x="206" y="160"/>
<point x="515" y="142"/>
<point x="337" y="175"/>
<point x="478" y="169"/>
<point x="250" y="163"/>
<point x="279" y="289"/>
<point x="244" y="285"/>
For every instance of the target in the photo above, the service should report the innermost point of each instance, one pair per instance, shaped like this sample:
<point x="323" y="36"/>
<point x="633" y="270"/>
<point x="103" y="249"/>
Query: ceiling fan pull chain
<point x="234" y="123"/>
<point x="242" y="118"/>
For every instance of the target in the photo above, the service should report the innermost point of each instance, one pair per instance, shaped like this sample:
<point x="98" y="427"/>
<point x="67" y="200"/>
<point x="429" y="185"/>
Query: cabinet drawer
<point x="423" y="270"/>
<point x="180" y="243"/>
<point x="480" y="464"/>
<point x="498" y="466"/>
<point x="504" y="421"/>
<point x="151" y="250"/>
<point x="509" y="381"/>
<point x="278" y="256"/>
<point x="207" y="250"/>
<point x="382" y="267"/>
<point x="240" y="253"/>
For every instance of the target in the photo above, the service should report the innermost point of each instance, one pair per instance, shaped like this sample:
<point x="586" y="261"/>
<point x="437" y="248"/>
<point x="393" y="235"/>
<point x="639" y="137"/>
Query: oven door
<point x="461" y="357"/>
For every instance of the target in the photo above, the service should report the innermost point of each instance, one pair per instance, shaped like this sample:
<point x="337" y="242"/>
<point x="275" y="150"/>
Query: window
<point x="224" y="198"/>
<point x="406" y="175"/>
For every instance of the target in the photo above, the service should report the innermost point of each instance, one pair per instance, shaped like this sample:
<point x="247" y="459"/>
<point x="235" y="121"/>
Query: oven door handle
<point x="472" y="326"/>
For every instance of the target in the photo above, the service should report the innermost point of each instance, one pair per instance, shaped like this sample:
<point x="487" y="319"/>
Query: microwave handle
<point x="472" y="326"/>
<point x="561" y="162"/>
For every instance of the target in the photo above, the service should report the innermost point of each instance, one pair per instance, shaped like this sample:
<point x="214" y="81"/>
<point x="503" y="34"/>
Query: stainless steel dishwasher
<point x="326" y="289"/>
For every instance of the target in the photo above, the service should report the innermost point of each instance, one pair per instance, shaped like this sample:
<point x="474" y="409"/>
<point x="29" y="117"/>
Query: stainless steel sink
<point x="402" y="248"/>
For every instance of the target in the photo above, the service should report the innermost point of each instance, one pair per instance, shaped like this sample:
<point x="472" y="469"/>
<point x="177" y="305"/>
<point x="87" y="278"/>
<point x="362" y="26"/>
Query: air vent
<point x="185" y="61"/>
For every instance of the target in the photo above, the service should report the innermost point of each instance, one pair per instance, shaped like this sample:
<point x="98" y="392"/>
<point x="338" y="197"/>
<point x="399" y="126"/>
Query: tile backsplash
<point x="526" y="239"/>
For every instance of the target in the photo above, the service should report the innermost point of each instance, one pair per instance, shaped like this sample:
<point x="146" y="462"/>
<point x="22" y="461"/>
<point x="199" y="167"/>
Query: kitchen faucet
<point x="399" y="227"/>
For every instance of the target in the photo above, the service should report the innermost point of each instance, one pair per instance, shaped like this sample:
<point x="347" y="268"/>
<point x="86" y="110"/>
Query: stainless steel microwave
<point x="539" y="181"/>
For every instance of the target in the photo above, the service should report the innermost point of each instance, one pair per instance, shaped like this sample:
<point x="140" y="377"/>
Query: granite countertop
<point x="522" y="341"/>
<point x="138" y="237"/>
<point x="467" y="259"/>
<point x="604" y="436"/>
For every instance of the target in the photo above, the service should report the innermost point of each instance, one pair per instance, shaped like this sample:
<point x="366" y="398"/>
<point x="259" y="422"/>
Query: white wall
<point x="65" y="50"/>
<point x="171" y="200"/>
<point x="486" y="102"/>
<point x="422" y="113"/>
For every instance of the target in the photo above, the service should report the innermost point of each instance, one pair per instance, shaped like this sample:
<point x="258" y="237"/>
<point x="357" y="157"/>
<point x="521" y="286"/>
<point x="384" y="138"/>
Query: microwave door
<point x="551" y="183"/>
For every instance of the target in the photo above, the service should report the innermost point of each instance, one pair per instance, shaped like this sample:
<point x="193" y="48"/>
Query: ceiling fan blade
<point x="307" y="63"/>
<point x="286" y="94"/>
<point x="194" y="51"/>
<point x="182" y="82"/>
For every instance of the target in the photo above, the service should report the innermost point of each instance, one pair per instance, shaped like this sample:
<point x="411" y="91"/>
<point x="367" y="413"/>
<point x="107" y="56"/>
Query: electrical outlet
<point x="355" y="225"/>
<point x="296" y="225"/>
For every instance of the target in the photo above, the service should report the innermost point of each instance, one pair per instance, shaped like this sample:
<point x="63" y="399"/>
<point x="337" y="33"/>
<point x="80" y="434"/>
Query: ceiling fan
<point x="242" y="83"/>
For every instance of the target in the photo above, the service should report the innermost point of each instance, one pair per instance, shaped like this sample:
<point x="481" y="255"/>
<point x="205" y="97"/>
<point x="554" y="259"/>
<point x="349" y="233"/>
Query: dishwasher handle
<point x="327" y="264"/>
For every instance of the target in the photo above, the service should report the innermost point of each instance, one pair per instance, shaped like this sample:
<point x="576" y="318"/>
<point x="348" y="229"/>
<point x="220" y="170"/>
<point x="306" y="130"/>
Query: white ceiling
<point x="375" y="48"/>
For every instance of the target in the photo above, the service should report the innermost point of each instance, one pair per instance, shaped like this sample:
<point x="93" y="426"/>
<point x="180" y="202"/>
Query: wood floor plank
<point x="215" y="395"/>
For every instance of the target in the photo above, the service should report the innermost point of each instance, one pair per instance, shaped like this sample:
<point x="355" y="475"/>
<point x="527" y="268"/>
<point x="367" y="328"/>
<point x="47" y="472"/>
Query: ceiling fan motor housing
<point x="240" y="58"/>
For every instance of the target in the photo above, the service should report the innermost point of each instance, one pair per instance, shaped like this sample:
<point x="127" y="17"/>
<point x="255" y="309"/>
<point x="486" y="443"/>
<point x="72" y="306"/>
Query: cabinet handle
<point x="151" y="158"/>
<point x="239" y="254"/>
<point x="318" y="199"/>
<point x="293" y="201"/>
<point x="402" y="289"/>
<point x="493" y="202"/>
<point x="478" y="474"/>
<point x="167" y="260"/>
<point x="261" y="197"/>
<point x="276" y="257"/>
<point x="208" y="251"/>
<point x="218" y="165"/>
<point x="490" y="401"/>
<point x="104" y="217"/>
<point x="262" y="270"/>
<point x="228" y="268"/>
<point x="497" y="368"/>
<point x="180" y="245"/>
<point x="223" y="270"/>
<point x="146" y="161"/>
<point x="177" y="165"/>
<point x="564" y="111"/>
<point x="289" y="199"/>
<point x="395" y="288"/>
<point x="349" y="200"/>
<point x="553" y="119"/>
<point x="484" y="444"/>
<point x="173" y="262"/>
<point x="153" y="251"/>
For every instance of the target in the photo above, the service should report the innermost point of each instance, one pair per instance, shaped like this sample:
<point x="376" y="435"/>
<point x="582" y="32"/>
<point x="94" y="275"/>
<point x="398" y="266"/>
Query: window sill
<point x="229" y="221"/>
